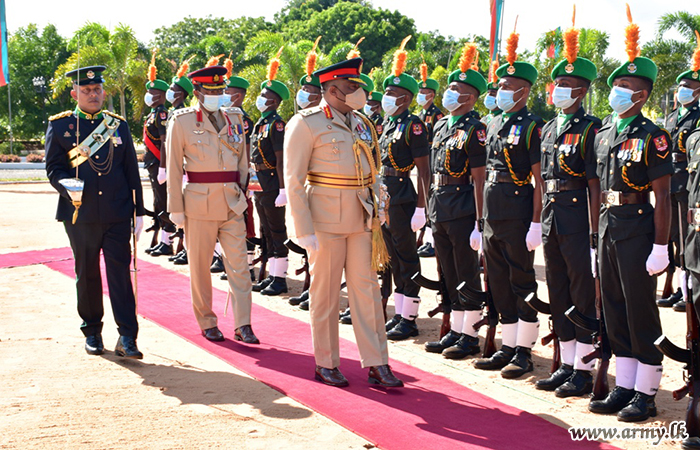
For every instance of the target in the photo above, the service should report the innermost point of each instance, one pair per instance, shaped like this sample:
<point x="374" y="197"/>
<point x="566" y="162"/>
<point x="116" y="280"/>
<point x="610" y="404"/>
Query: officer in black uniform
<point x="568" y="169"/>
<point x="456" y="195"/>
<point x="107" y="165"/>
<point x="267" y="141"/>
<point x="404" y="145"/>
<point x="512" y="207"/>
<point x="681" y="123"/>
<point x="633" y="156"/>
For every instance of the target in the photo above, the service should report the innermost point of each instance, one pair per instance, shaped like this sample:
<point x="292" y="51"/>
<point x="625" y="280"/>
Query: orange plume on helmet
<point x="184" y="67"/>
<point x="631" y="37"/>
<point x="492" y="70"/>
<point x="423" y="70"/>
<point x="512" y="45"/>
<point x="274" y="65"/>
<point x="571" y="45"/>
<point x="355" y="52"/>
<point x="475" y="64"/>
<point x="229" y="65"/>
<point x="468" y="53"/>
<point x="695" y="66"/>
<point x="400" y="56"/>
<point x="214" y="60"/>
<point x="152" y="66"/>
<point x="311" y="58"/>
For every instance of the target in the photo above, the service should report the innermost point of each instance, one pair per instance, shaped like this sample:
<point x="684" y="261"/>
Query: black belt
<point x="555" y="186"/>
<point x="440" y="179"/>
<point x="391" y="172"/>
<point x="617" y="198"/>
<point x="497" y="176"/>
<point x="679" y="157"/>
<point x="262" y="167"/>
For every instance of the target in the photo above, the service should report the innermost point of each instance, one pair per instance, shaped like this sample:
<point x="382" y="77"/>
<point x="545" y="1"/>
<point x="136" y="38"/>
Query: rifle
<point x="444" y="305"/>
<point x="262" y="259"/>
<point x="136" y="270"/>
<point x="544" y="308"/>
<point x="482" y="299"/>
<point x="294" y="247"/>
<point x="385" y="288"/>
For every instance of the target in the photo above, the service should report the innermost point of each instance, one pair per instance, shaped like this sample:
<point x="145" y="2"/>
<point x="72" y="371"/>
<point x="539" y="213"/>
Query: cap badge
<point x="90" y="74"/>
<point x="569" y="68"/>
<point x="308" y="78"/>
<point x="216" y="77"/>
<point x="424" y="84"/>
<point x="510" y="70"/>
<point x="397" y="80"/>
<point x="462" y="76"/>
<point x="695" y="75"/>
<point x="632" y="68"/>
<point x="269" y="83"/>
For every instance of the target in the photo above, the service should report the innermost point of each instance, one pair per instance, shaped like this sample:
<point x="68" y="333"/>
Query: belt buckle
<point x="492" y="176"/>
<point x="613" y="198"/>
<point x="552" y="186"/>
<point x="696" y="216"/>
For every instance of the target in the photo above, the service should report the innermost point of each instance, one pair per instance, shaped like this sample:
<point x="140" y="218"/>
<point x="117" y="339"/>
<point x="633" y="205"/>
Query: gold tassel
<point x="77" y="207"/>
<point x="380" y="254"/>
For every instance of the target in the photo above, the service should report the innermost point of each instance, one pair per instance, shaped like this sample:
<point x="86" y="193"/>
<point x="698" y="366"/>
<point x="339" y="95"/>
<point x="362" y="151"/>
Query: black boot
<point x="277" y="287"/>
<point x="519" y="365"/>
<point x="391" y="323"/>
<point x="294" y="301"/>
<point x="181" y="253"/>
<point x="466" y="346"/>
<point x="345" y="317"/>
<point x="217" y="265"/>
<point x="252" y="275"/>
<point x="404" y="330"/>
<point x="617" y="399"/>
<point x="578" y="385"/>
<point x="679" y="306"/>
<point x="304" y="306"/>
<point x="257" y="287"/>
<point x="497" y="361"/>
<point x="556" y="379"/>
<point x="426" y="251"/>
<point x="126" y="348"/>
<point x="223" y="276"/>
<point x="691" y="443"/>
<point x="182" y="259"/>
<point x="163" y="250"/>
<point x="640" y="408"/>
<point x="447" y="341"/>
<point x="670" y="301"/>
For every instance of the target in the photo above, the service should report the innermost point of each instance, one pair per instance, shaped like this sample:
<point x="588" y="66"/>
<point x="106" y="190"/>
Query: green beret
<point x="369" y="84"/>
<point x="311" y="80"/>
<point x="429" y="84"/>
<point x="492" y="86"/>
<point x="404" y="81"/>
<point x="238" y="82"/>
<point x="277" y="87"/>
<point x="519" y="69"/>
<point x="689" y="74"/>
<point x="641" y="67"/>
<point x="581" y="68"/>
<point x="185" y="83"/>
<point x="470" y="77"/>
<point x="376" y="96"/>
<point x="157" y="84"/>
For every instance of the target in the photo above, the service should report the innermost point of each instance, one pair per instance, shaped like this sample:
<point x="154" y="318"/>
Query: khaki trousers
<point x="201" y="236"/>
<point x="351" y="252"/>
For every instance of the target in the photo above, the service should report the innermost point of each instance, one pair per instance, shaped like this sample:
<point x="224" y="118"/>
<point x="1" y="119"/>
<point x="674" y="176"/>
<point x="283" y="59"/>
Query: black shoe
<point x="691" y="443"/>
<point x="519" y="365"/>
<point x="346" y="312"/>
<point x="346" y="319"/>
<point x="640" y="408"/>
<point x="149" y="250"/>
<point x="331" y="377"/>
<point x="182" y="259"/>
<point x="277" y="287"/>
<point x="466" y="346"/>
<point x="404" y="330"/>
<point x="180" y="254"/>
<point x="556" y="379"/>
<point x="294" y="301"/>
<point x="578" y="385"/>
<point x="252" y="275"/>
<point x="257" y="287"/>
<point x="217" y="265"/>
<point x="304" y="306"/>
<point x="391" y="323"/>
<point x="679" y="306"/>
<point x="447" y="341"/>
<point x="617" y="399"/>
<point x="497" y="361"/>
<point x="383" y="376"/>
<point x="213" y="334"/>
<point x="94" y="345"/>
<point x="671" y="300"/>
<point x="245" y="334"/>
<point x="426" y="251"/>
<point x="223" y="276"/>
<point x="163" y="250"/>
<point x="126" y="348"/>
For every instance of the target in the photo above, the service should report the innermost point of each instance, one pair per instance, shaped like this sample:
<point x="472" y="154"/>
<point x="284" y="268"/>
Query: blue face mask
<point x="450" y="100"/>
<point x="490" y="102"/>
<point x="686" y="95"/>
<point x="367" y="110"/>
<point x="504" y="99"/>
<point x="620" y="99"/>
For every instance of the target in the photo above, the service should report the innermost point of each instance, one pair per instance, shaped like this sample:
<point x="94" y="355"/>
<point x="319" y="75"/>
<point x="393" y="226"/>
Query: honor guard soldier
<point x="568" y="169"/>
<point x="682" y="122"/>
<point x="404" y="145"/>
<point x="91" y="162"/>
<point x="207" y="144"/>
<point x="512" y="207"/>
<point x="492" y="92"/>
<point x="373" y="110"/>
<point x="154" y="138"/>
<point x="309" y="95"/>
<point x="267" y="143"/>
<point x="331" y="176"/>
<point x="633" y="157"/>
<point x="456" y="196"/>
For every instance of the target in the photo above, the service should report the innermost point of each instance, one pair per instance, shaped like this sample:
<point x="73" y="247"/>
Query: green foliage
<point x="17" y="147"/>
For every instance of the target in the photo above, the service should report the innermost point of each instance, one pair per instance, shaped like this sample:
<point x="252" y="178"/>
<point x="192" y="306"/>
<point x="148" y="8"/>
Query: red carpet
<point x="431" y="412"/>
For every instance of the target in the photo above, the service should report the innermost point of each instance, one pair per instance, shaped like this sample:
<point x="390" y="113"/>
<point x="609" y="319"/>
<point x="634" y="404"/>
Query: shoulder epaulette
<point x="310" y="111"/>
<point x="593" y="119"/>
<point x="116" y="116"/>
<point x="649" y="126"/>
<point x="233" y="110"/>
<point x="181" y="111"/>
<point x="60" y="115"/>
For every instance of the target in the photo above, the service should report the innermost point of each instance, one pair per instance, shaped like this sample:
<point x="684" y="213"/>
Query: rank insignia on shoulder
<point x="481" y="135"/>
<point x="380" y="128"/>
<point x="66" y="134"/>
<point x="417" y="129"/>
<point x="661" y="143"/>
<point x="163" y="115"/>
<point x="279" y="126"/>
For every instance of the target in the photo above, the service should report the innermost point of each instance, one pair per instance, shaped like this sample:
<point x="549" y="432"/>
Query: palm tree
<point x="681" y="21"/>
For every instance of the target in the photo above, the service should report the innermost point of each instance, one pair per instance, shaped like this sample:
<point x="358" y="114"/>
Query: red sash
<point x="150" y="145"/>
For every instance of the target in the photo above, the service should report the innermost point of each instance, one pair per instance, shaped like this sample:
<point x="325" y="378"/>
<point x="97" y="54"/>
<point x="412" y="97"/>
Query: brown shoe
<point x="245" y="334"/>
<point x="213" y="334"/>
<point x="383" y="375"/>
<point x="331" y="377"/>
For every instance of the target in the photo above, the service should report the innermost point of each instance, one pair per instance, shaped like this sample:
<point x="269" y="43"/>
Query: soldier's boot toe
<point x="391" y="323"/>
<point x="126" y="348"/>
<point x="466" y="346"/>
<point x="277" y="287"/>
<point x="556" y="379"/>
<point x="519" y="365"/>
<point x="640" y="408"/>
<point x="346" y="319"/>
<point x="163" y="250"/>
<point x="304" y="306"/>
<point x="259" y="286"/>
<point x="182" y="259"/>
<point x="670" y="300"/>
<point x="497" y="361"/>
<point x="617" y="399"/>
<point x="94" y="344"/>
<point x="403" y="330"/>
<point x="294" y="301"/>
<point x="679" y="306"/>
<point x="447" y="341"/>
<point x="217" y="265"/>
<point x="580" y="383"/>
<point x="223" y="276"/>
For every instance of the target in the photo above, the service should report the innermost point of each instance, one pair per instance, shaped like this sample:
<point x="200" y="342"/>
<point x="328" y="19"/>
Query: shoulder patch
<point x="481" y="135"/>
<point x="116" y="116"/>
<point x="661" y="143"/>
<point x="417" y="129"/>
<point x="279" y="126"/>
<point x="60" y="115"/>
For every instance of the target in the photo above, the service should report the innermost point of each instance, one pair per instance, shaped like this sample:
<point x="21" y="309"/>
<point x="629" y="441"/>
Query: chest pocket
<point x="196" y="145"/>
<point x="329" y="146"/>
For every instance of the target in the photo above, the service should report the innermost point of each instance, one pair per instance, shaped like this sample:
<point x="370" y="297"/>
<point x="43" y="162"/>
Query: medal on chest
<point x="569" y="145"/>
<point x="631" y="150"/>
<point x="514" y="134"/>
<point x="399" y="131"/>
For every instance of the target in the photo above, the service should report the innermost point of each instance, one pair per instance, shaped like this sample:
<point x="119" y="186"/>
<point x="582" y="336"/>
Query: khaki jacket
<point x="196" y="147"/>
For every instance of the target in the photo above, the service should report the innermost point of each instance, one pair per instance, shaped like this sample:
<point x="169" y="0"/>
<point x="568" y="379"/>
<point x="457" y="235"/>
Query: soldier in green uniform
<point x="490" y="102"/>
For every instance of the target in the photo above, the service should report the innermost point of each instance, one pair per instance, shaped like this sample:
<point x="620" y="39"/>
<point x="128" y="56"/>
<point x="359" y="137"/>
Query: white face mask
<point x="450" y="100"/>
<point x="367" y="110"/>
<point x="226" y="101"/>
<point x="303" y="99"/>
<point x="504" y="99"/>
<point x="389" y="104"/>
<point x="620" y="99"/>
<point x="685" y="95"/>
<point x="422" y="99"/>
<point x="356" y="100"/>
<point x="170" y="96"/>
<point x="260" y="103"/>
<point x="212" y="102"/>
<point x="490" y="102"/>
<point x="148" y="99"/>
<point x="561" y="97"/>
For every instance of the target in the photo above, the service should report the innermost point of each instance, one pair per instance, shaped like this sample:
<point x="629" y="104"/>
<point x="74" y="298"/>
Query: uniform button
<point x="99" y="193"/>
<point x="575" y="200"/>
<point x="520" y="118"/>
<point x="224" y="184"/>
<point x="495" y="153"/>
<point x="611" y="171"/>
<point x="551" y="163"/>
<point x="199" y="142"/>
<point x="333" y="140"/>
<point x="556" y="146"/>
<point x="329" y="127"/>
<point x="516" y="192"/>
<point x="640" y="211"/>
<point x="400" y="179"/>
<point x="612" y="155"/>
<point x="457" y="187"/>
<point x="99" y="174"/>
<point x="628" y="164"/>
<point x="224" y="168"/>
<point x="97" y="156"/>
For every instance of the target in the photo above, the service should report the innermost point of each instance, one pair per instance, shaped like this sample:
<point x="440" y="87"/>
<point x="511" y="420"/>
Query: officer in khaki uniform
<point x="208" y="143"/>
<point x="331" y="175"/>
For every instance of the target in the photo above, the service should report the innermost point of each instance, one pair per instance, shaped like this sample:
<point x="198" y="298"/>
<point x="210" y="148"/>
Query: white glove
<point x="658" y="259"/>
<point x="281" y="199"/>
<point x="138" y="227"/>
<point x="534" y="236"/>
<point x="594" y="264"/>
<point x="418" y="219"/>
<point x="475" y="238"/>
<point x="178" y="219"/>
<point x="162" y="176"/>
<point x="309" y="242"/>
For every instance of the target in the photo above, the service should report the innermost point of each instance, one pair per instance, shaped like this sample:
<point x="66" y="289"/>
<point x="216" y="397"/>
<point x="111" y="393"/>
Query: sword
<point x="136" y="270"/>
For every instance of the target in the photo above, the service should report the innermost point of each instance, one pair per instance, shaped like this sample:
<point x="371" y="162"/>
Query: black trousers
<point x="160" y="196"/>
<point x="510" y="268"/>
<point x="629" y="298"/>
<point x="401" y="243"/>
<point x="86" y="240"/>
<point x="569" y="281"/>
<point x="679" y="199"/>
<point x="272" y="223"/>
<point x="457" y="259"/>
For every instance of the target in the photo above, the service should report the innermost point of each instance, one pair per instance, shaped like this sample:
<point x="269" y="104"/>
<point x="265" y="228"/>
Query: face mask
<point x="422" y="99"/>
<point x="260" y="103"/>
<point x="685" y="95"/>
<point x="303" y="99"/>
<point x="367" y="110"/>
<point x="170" y="96"/>
<point x="490" y="102"/>
<point x="621" y="99"/>
<point x="226" y="101"/>
<point x="356" y="100"/>
<point x="561" y="97"/>
<point x="504" y="99"/>
<point x="148" y="99"/>
<point x="389" y="104"/>
<point x="450" y="100"/>
<point x="212" y="102"/>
